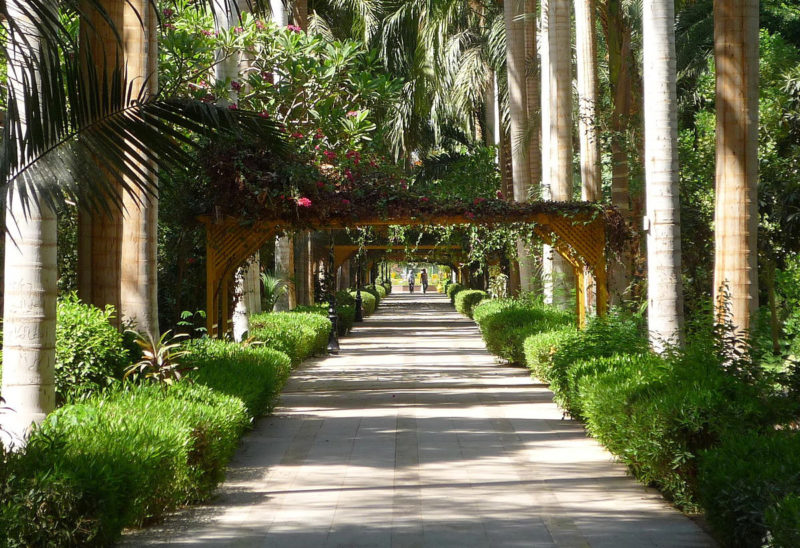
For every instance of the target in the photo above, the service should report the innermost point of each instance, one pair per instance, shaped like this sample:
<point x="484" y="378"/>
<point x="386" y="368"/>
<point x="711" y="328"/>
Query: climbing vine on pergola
<point x="583" y="233"/>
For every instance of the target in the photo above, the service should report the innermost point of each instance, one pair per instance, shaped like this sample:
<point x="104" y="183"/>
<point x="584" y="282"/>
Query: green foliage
<point x="90" y="353"/>
<point x="452" y="291"/>
<point x="368" y="302"/>
<point x="345" y="315"/>
<point x="104" y="464"/>
<point x="254" y="374"/>
<point x="540" y="348"/>
<point x="381" y="291"/>
<point x="657" y="414"/>
<point x="372" y="291"/>
<point x="297" y="334"/>
<point x="506" y="323"/>
<point x="601" y="338"/>
<point x="750" y="488"/>
<point x="466" y="300"/>
<point x="161" y="360"/>
<point x="444" y="174"/>
<point x="272" y="289"/>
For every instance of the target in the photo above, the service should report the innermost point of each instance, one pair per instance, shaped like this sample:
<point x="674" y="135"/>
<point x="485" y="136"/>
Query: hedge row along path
<point x="414" y="436"/>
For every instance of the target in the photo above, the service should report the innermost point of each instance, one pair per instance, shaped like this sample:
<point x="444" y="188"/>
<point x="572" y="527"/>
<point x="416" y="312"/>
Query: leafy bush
<point x="452" y="291"/>
<point x="297" y="334"/>
<point x="372" y="291"/>
<point x="388" y="287"/>
<point x="466" y="300"/>
<point x="90" y="354"/>
<point x="381" y="291"/>
<point x="539" y="350"/>
<point x="345" y="315"/>
<point x="104" y="464"/>
<point x="368" y="302"/>
<point x="506" y="323"/>
<point x="602" y="337"/>
<point x="750" y="488"/>
<point x="254" y="374"/>
<point x="656" y="414"/>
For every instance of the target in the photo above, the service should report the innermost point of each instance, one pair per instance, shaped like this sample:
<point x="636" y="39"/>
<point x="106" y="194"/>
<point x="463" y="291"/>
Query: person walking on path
<point x="423" y="278"/>
<point x="411" y="277"/>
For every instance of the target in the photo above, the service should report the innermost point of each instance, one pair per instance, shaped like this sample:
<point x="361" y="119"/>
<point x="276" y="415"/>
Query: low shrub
<point x="466" y="300"/>
<point x="368" y="302"/>
<point x="345" y="315"/>
<point x="95" y="467"/>
<point x="297" y="334"/>
<point x="90" y="352"/>
<point x="602" y="337"/>
<point x="750" y="488"/>
<point x="539" y="350"/>
<point x="372" y="291"/>
<point x="388" y="287"/>
<point x="506" y="323"/>
<point x="657" y="414"/>
<point x="452" y="291"/>
<point x="254" y="374"/>
<point x="381" y="292"/>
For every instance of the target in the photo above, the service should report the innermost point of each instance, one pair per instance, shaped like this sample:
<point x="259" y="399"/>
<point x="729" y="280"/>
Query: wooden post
<point x="580" y="296"/>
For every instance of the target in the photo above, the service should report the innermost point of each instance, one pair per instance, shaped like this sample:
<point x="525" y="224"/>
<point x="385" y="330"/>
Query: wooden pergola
<point x="578" y="237"/>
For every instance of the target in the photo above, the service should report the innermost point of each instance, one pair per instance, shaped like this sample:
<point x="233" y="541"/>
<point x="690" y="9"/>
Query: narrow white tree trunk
<point x="662" y="224"/>
<point x="736" y="208"/>
<point x="518" y="110"/>
<point x="139" y="269"/>
<point x="560" y="133"/>
<point x="544" y="91"/>
<point x="253" y="284"/>
<point x="490" y="137"/>
<point x="29" y="316"/>
<point x="284" y="269"/>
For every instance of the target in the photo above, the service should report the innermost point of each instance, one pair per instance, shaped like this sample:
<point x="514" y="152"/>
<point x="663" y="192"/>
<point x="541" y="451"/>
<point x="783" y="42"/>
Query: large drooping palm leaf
<point x="73" y="129"/>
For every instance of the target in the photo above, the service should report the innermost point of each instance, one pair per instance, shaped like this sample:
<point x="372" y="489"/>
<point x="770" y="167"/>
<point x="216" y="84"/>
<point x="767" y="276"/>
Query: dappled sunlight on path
<point x="414" y="436"/>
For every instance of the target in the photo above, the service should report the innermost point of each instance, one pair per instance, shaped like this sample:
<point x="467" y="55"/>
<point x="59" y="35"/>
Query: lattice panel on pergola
<point x="580" y="239"/>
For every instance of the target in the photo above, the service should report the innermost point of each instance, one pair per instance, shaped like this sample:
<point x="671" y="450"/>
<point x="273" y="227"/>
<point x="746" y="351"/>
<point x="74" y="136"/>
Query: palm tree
<point x="736" y="207"/>
<point x="68" y="135"/>
<point x="559" y="51"/>
<point x="664" y="288"/>
<point x="586" y="48"/>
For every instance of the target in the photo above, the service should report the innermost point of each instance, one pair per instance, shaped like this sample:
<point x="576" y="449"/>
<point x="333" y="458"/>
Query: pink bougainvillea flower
<point x="330" y="155"/>
<point x="264" y="114"/>
<point x="319" y="134"/>
<point x="169" y="26"/>
<point x="297" y="135"/>
<point x="320" y="184"/>
<point x="238" y="30"/>
<point x="424" y="199"/>
<point x="499" y="195"/>
<point x="348" y="174"/>
<point x="351" y="113"/>
<point x="293" y="28"/>
<point x="168" y="12"/>
<point x="267" y="76"/>
<point x="206" y="32"/>
<point x="304" y="202"/>
<point x="260" y="25"/>
<point x="236" y="86"/>
<point x="479" y="200"/>
<point x="373" y="163"/>
<point x="345" y="201"/>
<point x="233" y="106"/>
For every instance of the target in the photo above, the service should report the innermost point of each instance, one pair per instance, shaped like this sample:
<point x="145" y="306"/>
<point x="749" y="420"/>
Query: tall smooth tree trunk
<point x="139" y="246"/>
<point x="664" y="286"/>
<point x="618" y="39"/>
<point x="736" y="201"/>
<point x="29" y="317"/>
<point x="518" y="114"/>
<point x="100" y="238"/>
<point x="284" y="269"/>
<point x="300" y="13"/>
<point x="560" y="132"/>
<point x="544" y="92"/>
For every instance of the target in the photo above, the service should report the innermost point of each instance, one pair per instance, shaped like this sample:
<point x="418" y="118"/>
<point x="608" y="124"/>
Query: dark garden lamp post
<point x="330" y="283"/>
<point x="359" y="313"/>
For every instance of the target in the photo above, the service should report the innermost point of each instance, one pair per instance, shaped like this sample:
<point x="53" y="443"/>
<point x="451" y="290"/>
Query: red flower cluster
<point x="354" y="155"/>
<point x="297" y="135"/>
<point x="319" y="134"/>
<point x="304" y="202"/>
<point x="293" y="28"/>
<point x="236" y="86"/>
<point x="330" y="155"/>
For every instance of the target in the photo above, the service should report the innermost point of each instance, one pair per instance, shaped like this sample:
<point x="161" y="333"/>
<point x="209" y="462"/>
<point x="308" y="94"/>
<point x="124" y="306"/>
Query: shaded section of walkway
<point x="415" y="436"/>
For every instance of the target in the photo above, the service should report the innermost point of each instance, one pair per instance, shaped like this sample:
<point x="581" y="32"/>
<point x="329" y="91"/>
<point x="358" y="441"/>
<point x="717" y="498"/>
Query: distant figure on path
<point x="410" y="281"/>
<point x="423" y="278"/>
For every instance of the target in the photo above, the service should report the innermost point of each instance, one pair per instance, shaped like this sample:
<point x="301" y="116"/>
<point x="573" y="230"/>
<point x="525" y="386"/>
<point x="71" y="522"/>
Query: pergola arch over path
<point x="580" y="237"/>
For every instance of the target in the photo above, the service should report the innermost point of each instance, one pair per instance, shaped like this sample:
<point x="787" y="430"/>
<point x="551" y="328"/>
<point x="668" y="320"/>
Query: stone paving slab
<point x="414" y="436"/>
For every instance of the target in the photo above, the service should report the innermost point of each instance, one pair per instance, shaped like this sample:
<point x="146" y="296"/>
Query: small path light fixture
<point x="330" y="283"/>
<point x="359" y="313"/>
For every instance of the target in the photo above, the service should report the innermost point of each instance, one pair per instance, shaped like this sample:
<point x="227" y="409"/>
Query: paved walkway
<point x="414" y="436"/>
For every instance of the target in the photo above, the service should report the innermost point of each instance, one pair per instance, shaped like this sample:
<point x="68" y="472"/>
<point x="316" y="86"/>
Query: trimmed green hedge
<point x="381" y="291"/>
<point x="539" y="350"/>
<point x="750" y="489"/>
<point x="368" y="302"/>
<point x="372" y="291"/>
<point x="297" y="334"/>
<point x="466" y="300"/>
<point x="255" y="374"/>
<point x="96" y="467"/>
<point x="452" y="291"/>
<point x="506" y="323"/>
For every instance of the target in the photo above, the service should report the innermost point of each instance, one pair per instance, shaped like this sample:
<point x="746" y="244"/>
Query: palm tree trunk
<point x="29" y="319"/>
<point x="664" y="287"/>
<point x="736" y="207"/>
<point x="560" y="132"/>
<point x="544" y="92"/>
<point x="300" y="13"/>
<point x="518" y="114"/>
<point x="139" y="247"/>
<point x="101" y="230"/>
